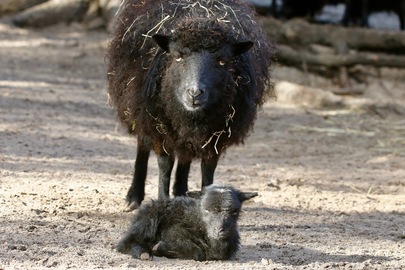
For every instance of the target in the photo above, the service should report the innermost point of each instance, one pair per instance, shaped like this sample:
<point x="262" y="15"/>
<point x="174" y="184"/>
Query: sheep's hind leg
<point x="136" y="192"/>
<point x="180" y="186"/>
<point x="165" y="163"/>
<point x="208" y="167"/>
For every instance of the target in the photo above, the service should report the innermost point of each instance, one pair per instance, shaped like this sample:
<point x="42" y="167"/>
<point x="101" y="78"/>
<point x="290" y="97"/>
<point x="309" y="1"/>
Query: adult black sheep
<point x="187" y="78"/>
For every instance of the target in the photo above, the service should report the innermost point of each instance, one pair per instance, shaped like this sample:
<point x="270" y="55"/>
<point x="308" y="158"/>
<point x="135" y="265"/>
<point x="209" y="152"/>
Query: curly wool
<point x="201" y="24"/>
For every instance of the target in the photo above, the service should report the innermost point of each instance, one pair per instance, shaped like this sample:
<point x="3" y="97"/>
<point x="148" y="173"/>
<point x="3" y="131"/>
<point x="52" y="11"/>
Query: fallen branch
<point x="290" y="56"/>
<point x="300" y="32"/>
<point x="52" y="12"/>
<point x="8" y="7"/>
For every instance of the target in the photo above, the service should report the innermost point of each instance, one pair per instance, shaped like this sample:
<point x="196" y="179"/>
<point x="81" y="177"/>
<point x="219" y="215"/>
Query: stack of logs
<point x="332" y="49"/>
<point x="327" y="49"/>
<point x="42" y="13"/>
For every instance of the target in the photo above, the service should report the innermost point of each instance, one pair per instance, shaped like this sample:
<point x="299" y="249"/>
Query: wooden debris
<point x="52" y="12"/>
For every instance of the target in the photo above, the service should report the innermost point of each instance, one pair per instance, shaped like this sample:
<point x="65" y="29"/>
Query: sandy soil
<point x="331" y="180"/>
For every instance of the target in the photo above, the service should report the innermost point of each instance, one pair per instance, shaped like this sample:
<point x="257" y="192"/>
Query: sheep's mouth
<point x="195" y="105"/>
<point x="199" y="103"/>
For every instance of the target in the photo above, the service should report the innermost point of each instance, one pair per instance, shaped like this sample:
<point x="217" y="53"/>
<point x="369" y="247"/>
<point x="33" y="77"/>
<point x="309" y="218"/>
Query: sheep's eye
<point x="178" y="59"/>
<point x="221" y="62"/>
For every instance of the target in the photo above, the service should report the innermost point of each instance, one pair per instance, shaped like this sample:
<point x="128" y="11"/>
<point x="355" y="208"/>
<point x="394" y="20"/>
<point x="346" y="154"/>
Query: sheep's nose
<point x="195" y="92"/>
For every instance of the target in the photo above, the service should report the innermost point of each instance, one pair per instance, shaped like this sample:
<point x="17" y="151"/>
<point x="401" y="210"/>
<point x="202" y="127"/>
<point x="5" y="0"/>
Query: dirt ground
<point x="331" y="179"/>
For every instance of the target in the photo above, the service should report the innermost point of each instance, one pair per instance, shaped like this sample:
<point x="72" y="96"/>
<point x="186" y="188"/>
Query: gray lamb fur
<point x="202" y="228"/>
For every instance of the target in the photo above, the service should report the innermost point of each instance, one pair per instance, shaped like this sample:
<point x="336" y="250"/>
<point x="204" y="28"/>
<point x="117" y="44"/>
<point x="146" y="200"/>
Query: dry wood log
<point x="8" y="7"/>
<point x="290" y="56"/>
<point x="102" y="14"/>
<point x="301" y="32"/>
<point x="52" y="12"/>
<point x="109" y="9"/>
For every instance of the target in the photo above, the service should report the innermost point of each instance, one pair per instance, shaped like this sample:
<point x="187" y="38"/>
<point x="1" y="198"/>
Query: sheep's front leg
<point x="136" y="192"/>
<point x="180" y="186"/>
<point x="208" y="167"/>
<point x="165" y="163"/>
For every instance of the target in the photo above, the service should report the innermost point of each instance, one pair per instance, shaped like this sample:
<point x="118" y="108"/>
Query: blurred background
<point x="327" y="156"/>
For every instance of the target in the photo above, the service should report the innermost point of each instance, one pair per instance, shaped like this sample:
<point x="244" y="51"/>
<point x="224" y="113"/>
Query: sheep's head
<point x="200" y="67"/>
<point x="220" y="208"/>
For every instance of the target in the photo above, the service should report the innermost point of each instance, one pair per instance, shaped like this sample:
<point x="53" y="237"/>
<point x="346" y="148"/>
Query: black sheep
<point x="300" y="8"/>
<point x="203" y="228"/>
<point x="358" y="11"/>
<point x="187" y="78"/>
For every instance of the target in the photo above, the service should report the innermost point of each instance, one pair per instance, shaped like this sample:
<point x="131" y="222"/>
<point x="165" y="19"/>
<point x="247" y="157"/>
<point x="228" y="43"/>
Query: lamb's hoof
<point x="145" y="257"/>
<point x="155" y="249"/>
<point x="162" y="250"/>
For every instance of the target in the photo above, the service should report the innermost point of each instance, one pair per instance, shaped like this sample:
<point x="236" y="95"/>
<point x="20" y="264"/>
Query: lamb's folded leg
<point x="181" y="250"/>
<point x="127" y="245"/>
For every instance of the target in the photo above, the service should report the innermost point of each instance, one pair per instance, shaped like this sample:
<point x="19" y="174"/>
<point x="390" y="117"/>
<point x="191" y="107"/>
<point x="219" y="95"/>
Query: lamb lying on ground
<point x="200" y="227"/>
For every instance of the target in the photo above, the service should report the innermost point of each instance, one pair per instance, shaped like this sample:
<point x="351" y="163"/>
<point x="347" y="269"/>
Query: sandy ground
<point x="331" y="180"/>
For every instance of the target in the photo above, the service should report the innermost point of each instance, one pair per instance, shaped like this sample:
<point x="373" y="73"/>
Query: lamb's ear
<point x="163" y="41"/>
<point x="241" y="47"/>
<point x="247" y="196"/>
<point x="194" y="194"/>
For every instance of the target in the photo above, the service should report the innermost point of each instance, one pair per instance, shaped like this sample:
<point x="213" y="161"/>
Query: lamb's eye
<point x="178" y="58"/>
<point x="221" y="62"/>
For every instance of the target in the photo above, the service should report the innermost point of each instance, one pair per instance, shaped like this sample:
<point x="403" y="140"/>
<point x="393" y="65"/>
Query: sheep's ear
<point x="247" y="196"/>
<point x="241" y="47"/>
<point x="194" y="194"/>
<point x="163" y="41"/>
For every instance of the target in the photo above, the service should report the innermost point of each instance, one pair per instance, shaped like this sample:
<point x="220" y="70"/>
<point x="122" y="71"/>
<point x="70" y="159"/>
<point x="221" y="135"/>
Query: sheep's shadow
<point x="296" y="255"/>
<point x="289" y="240"/>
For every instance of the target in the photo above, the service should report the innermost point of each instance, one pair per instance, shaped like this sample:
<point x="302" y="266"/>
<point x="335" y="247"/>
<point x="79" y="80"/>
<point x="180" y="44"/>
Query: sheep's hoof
<point x="145" y="257"/>
<point x="132" y="207"/>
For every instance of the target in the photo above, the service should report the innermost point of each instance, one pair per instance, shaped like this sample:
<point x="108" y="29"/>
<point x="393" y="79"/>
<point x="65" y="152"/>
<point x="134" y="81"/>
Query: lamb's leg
<point x="208" y="167"/>
<point x="180" y="186"/>
<point x="165" y="163"/>
<point x="182" y="250"/>
<point x="128" y="245"/>
<point x="136" y="192"/>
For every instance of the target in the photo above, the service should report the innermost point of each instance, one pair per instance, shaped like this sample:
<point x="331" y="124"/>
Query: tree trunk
<point x="302" y="33"/>
<point x="8" y="7"/>
<point x="52" y="12"/>
<point x="290" y="56"/>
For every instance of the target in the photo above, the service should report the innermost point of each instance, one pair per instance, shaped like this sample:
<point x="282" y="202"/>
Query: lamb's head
<point x="220" y="208"/>
<point x="200" y="65"/>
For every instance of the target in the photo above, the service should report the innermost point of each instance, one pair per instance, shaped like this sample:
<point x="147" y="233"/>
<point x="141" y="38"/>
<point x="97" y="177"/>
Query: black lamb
<point x="187" y="78"/>
<point x="203" y="228"/>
